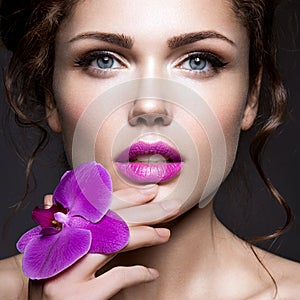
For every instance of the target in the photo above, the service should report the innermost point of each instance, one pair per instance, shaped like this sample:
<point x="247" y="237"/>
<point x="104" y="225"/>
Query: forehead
<point x="153" y="19"/>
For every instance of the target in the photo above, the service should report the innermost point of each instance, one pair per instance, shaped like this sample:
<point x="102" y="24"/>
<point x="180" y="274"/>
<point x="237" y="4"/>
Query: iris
<point x="78" y="222"/>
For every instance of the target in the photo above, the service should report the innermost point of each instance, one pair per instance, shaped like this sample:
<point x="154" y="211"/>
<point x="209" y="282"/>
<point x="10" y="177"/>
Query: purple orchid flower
<point x="78" y="222"/>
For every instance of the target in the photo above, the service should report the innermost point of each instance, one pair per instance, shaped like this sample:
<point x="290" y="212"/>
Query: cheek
<point x="231" y="125"/>
<point x="209" y="142"/>
<point x="230" y="117"/>
<point x="69" y="116"/>
<point x="72" y="100"/>
<point x="110" y="134"/>
<point x="228" y="105"/>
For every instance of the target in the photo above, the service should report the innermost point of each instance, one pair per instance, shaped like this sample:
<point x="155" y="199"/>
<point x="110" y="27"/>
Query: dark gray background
<point x="257" y="214"/>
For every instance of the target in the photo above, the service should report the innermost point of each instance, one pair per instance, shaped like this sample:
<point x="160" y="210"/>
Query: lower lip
<point x="149" y="173"/>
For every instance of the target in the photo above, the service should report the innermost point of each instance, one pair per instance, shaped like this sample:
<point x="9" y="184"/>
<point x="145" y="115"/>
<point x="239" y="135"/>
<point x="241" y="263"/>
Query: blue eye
<point x="196" y="63"/>
<point x="201" y="62"/>
<point x="99" y="60"/>
<point x="106" y="61"/>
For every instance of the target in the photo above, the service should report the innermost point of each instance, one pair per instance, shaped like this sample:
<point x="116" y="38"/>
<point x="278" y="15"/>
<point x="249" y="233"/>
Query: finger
<point x="150" y="213"/>
<point x="111" y="282"/>
<point x="145" y="236"/>
<point x="133" y="196"/>
<point x="48" y="200"/>
<point x="142" y="236"/>
<point x="86" y="267"/>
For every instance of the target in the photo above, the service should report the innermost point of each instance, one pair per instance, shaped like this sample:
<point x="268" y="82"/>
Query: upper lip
<point x="144" y="148"/>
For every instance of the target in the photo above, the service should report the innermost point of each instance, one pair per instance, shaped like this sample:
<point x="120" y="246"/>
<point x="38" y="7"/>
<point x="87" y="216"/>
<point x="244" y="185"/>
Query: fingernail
<point x="154" y="273"/>
<point x="163" y="232"/>
<point x="148" y="189"/>
<point x="169" y="206"/>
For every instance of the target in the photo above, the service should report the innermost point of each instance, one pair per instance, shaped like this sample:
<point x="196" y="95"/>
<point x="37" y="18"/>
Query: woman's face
<point x="140" y="52"/>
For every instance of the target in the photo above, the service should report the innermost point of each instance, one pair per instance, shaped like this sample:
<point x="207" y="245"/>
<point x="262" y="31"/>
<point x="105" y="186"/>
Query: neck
<point x="202" y="240"/>
<point x="200" y="253"/>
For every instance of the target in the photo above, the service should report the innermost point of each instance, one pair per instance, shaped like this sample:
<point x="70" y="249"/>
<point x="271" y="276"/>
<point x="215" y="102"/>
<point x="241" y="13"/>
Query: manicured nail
<point x="163" y="232"/>
<point x="154" y="273"/>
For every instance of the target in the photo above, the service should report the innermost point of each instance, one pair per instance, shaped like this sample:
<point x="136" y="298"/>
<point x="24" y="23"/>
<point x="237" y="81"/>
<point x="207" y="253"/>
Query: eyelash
<point x="86" y="60"/>
<point x="212" y="62"/>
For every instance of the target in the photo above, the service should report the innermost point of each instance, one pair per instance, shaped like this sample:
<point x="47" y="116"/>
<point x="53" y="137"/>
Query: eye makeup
<point x="100" y="62"/>
<point x="201" y="63"/>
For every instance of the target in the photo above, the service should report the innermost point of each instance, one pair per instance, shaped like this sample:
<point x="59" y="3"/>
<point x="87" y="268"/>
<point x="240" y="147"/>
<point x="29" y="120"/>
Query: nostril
<point x="159" y="121"/>
<point x="162" y="120"/>
<point x="150" y="120"/>
<point x="149" y="112"/>
<point x="139" y="120"/>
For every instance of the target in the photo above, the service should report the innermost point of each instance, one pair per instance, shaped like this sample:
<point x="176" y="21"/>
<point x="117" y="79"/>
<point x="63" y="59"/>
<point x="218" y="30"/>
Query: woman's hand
<point x="79" y="281"/>
<point x="131" y="205"/>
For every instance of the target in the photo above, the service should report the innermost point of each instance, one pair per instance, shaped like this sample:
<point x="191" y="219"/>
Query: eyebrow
<point x="189" y="38"/>
<point x="112" y="38"/>
<point x="127" y="42"/>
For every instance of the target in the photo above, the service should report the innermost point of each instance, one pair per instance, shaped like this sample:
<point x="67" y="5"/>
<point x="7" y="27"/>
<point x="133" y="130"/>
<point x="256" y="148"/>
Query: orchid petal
<point x="85" y="191"/>
<point x="109" y="235"/>
<point x="78" y="222"/>
<point x="27" y="237"/>
<point x="46" y="256"/>
<point x="45" y="216"/>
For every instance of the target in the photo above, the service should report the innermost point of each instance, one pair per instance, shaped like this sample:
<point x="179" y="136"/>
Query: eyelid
<point x="85" y="60"/>
<point x="206" y="55"/>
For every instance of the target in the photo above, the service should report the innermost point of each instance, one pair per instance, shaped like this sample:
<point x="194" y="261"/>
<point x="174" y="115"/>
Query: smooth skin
<point x="201" y="259"/>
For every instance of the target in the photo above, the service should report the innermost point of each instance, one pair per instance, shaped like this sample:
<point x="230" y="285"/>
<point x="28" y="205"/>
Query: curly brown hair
<point x="29" y="31"/>
<point x="258" y="18"/>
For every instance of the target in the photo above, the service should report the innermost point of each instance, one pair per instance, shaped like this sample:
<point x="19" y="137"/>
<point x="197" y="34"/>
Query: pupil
<point x="105" y="62"/>
<point x="197" y="63"/>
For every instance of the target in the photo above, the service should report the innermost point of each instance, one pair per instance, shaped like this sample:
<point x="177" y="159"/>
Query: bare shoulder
<point x="286" y="274"/>
<point x="13" y="284"/>
<point x="289" y="278"/>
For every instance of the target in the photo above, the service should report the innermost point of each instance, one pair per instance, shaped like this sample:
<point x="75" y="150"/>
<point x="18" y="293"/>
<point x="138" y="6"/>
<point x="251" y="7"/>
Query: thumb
<point x="48" y="200"/>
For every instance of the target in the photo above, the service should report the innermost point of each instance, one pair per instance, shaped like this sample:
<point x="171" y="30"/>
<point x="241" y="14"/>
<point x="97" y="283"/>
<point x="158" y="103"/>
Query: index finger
<point x="150" y="213"/>
<point x="133" y="196"/>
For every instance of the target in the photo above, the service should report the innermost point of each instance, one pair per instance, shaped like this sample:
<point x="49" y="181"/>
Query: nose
<point x="149" y="112"/>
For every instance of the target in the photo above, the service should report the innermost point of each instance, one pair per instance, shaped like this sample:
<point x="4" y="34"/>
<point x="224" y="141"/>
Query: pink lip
<point x="143" y="172"/>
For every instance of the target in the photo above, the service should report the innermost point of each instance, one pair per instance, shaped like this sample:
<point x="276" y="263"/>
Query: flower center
<point x="61" y="218"/>
<point x="56" y="225"/>
<point x="51" y="218"/>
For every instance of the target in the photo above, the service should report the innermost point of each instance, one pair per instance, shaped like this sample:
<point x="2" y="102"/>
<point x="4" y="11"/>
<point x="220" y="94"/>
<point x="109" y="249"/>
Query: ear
<point x="52" y="115"/>
<point x="251" y="107"/>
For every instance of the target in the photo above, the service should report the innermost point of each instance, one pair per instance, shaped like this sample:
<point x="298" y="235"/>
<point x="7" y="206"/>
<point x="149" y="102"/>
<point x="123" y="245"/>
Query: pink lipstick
<point x="149" y="162"/>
